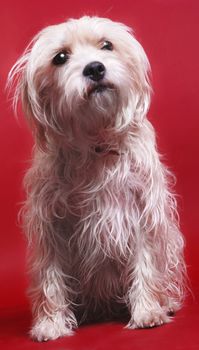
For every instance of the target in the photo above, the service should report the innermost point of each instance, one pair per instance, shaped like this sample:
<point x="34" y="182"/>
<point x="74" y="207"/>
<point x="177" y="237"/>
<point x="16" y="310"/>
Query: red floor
<point x="168" y="30"/>
<point x="181" y="334"/>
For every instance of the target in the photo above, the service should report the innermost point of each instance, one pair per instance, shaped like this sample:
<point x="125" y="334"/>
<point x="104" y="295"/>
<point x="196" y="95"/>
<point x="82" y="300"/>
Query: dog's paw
<point x="171" y="306"/>
<point x="148" y="319"/>
<point x="49" y="329"/>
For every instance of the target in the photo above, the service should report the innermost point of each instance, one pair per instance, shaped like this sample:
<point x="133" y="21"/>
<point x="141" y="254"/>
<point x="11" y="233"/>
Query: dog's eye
<point x="60" y="58"/>
<point x="107" y="45"/>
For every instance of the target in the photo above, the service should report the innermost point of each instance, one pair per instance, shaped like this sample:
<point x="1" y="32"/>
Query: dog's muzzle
<point x="95" y="71"/>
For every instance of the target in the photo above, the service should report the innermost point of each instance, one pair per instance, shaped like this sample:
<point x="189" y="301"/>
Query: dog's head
<point x="81" y="77"/>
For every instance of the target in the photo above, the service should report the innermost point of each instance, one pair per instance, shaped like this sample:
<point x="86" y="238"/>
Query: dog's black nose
<point x="94" y="71"/>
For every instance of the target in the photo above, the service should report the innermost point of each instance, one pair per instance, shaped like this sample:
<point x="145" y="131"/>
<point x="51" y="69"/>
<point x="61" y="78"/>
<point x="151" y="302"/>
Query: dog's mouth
<point x="99" y="88"/>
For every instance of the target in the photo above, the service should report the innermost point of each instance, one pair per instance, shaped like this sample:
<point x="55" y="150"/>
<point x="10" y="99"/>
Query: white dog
<point x="100" y="218"/>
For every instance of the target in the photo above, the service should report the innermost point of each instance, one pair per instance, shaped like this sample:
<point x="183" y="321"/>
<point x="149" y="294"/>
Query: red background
<point x="169" y="32"/>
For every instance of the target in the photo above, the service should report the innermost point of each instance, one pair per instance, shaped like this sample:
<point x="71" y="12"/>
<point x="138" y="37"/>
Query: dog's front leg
<point x="145" y="295"/>
<point x="53" y="317"/>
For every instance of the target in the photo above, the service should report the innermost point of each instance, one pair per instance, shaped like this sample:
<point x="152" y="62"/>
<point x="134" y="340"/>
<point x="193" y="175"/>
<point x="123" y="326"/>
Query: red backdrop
<point x="169" y="31"/>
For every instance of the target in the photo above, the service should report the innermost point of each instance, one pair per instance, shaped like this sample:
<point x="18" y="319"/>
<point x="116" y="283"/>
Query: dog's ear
<point x="140" y="73"/>
<point x="20" y="87"/>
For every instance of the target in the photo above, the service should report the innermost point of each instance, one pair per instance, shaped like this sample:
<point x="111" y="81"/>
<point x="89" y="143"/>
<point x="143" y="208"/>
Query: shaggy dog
<point x="100" y="218"/>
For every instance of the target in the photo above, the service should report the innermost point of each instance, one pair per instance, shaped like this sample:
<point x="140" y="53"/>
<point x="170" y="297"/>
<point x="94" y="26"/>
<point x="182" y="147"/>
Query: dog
<point x="100" y="216"/>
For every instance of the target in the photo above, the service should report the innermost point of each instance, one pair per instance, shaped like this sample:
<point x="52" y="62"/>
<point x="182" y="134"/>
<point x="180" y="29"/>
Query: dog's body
<point x="99" y="216"/>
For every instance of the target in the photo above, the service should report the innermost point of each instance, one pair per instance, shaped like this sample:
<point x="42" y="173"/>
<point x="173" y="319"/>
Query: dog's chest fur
<point x="101" y="238"/>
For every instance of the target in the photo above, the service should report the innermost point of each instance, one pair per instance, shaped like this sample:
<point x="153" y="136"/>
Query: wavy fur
<point x="101" y="225"/>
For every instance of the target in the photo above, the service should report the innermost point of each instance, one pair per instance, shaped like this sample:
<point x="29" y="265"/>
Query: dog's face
<point x="83" y="76"/>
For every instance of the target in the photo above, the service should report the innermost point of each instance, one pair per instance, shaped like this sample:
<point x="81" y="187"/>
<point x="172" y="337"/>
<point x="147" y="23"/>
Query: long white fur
<point x="102" y="226"/>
